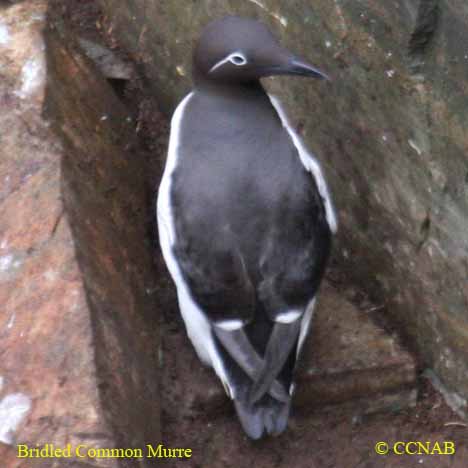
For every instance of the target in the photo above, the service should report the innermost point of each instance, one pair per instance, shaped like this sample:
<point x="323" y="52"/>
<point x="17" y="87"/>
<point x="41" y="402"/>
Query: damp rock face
<point x="390" y="131"/>
<point x="77" y="330"/>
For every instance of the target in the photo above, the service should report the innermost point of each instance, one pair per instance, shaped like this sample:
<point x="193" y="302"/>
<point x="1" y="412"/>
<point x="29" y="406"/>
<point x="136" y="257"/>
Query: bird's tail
<point x="266" y="415"/>
<point x="258" y="411"/>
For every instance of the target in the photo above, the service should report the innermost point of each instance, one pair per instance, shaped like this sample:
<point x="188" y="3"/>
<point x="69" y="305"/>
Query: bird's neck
<point x="248" y="90"/>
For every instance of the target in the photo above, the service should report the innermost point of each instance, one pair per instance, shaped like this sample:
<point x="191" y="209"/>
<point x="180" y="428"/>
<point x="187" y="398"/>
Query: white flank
<point x="310" y="164"/>
<point x="230" y="325"/>
<point x="198" y="326"/>
<point x="289" y="316"/>
<point x="305" y="325"/>
<point x="292" y="389"/>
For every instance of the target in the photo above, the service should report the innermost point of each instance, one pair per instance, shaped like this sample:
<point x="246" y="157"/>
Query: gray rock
<point x="391" y="133"/>
<point x="110" y="65"/>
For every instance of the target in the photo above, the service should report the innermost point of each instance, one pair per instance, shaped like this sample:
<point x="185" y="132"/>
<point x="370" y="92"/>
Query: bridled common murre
<point x="245" y="220"/>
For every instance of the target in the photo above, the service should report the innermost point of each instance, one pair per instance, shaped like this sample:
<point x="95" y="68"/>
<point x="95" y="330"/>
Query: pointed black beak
<point x="291" y="65"/>
<point x="298" y="67"/>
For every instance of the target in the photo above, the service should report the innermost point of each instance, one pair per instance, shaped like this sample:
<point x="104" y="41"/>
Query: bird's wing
<point x="216" y="274"/>
<point x="221" y="286"/>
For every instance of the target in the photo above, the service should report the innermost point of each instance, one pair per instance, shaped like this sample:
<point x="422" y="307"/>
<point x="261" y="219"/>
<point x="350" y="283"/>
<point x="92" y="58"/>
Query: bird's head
<point x="234" y="49"/>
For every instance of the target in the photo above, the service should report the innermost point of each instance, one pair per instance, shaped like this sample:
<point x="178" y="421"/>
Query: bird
<point x="245" y="220"/>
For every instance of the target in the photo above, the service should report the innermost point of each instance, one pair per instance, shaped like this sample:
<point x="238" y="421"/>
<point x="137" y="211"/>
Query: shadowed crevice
<point x="426" y="25"/>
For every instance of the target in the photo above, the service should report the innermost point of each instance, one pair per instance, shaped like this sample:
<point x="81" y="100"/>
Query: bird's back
<point x="239" y="180"/>
<point x="251" y="235"/>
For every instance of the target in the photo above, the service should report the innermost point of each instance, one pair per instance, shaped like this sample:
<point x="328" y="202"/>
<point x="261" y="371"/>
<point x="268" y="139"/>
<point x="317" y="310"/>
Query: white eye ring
<point x="236" y="58"/>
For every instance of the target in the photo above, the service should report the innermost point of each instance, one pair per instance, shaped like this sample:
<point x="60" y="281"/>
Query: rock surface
<point x="329" y="427"/>
<point x="347" y="360"/>
<point x="350" y="359"/>
<point x="391" y="133"/>
<point x="78" y="335"/>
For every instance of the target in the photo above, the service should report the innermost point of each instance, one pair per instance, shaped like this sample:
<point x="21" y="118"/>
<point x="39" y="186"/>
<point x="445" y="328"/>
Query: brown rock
<point x="78" y="335"/>
<point x="348" y="358"/>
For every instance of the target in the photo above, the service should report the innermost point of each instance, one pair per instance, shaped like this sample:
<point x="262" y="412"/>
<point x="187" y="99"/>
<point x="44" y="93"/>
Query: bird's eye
<point x="238" y="59"/>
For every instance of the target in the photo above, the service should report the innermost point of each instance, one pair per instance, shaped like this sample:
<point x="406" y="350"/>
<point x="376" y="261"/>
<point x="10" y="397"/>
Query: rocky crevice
<point x="425" y="28"/>
<point x="78" y="331"/>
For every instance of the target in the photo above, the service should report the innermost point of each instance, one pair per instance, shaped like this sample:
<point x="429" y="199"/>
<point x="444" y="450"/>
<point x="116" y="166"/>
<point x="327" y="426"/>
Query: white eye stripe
<point x="236" y="58"/>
